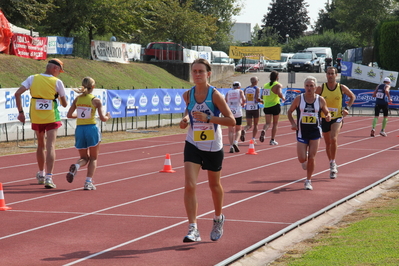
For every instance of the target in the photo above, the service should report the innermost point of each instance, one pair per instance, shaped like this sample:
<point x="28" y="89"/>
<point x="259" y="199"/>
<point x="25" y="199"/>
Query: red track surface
<point x="136" y="216"/>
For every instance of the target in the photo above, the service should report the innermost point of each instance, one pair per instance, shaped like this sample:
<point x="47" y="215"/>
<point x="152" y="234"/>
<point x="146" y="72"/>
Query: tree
<point x="325" y="22"/>
<point x="361" y="17"/>
<point x="26" y="13"/>
<point x="287" y="17"/>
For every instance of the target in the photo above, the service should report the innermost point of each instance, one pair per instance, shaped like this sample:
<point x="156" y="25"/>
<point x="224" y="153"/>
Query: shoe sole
<point x="50" y="186"/>
<point x="72" y="172"/>
<point x="188" y="240"/>
<point x="262" y="136"/>
<point x="242" y="137"/>
<point x="236" y="149"/>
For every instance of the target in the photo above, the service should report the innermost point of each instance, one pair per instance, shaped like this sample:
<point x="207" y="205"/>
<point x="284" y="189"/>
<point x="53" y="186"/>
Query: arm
<point x="318" y="90"/>
<point x="63" y="101"/>
<point x="324" y="109"/>
<point x="258" y="96"/>
<point x="99" y="106"/>
<point x="184" y="121"/>
<point x="278" y="89"/>
<point x="242" y="98"/>
<point x="351" y="96"/>
<point x="18" y="102"/>
<point x="375" y="92"/>
<point x="293" y="106"/>
<point x="72" y="109"/>
<point x="388" y="94"/>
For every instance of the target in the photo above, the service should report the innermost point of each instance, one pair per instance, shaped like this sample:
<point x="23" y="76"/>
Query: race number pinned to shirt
<point x="43" y="104"/>
<point x="333" y="111"/>
<point x="84" y="112"/>
<point x="204" y="132"/>
<point x="309" y="118"/>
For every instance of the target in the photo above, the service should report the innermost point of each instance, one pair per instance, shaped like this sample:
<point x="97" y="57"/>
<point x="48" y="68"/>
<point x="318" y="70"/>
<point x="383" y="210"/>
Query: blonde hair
<point x="87" y="86"/>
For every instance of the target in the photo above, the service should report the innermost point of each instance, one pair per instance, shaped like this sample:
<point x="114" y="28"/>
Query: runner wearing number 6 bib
<point x="87" y="134"/>
<point x="204" y="146"/>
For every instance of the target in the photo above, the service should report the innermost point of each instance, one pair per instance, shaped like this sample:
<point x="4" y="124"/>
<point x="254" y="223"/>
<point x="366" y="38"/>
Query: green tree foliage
<point x="361" y="17"/>
<point x="388" y="36"/>
<point x="26" y="13"/>
<point x="287" y="17"/>
<point x="265" y="36"/>
<point x="325" y="22"/>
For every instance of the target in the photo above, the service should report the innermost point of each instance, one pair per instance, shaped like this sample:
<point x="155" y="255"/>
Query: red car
<point x="163" y="51"/>
<point x="251" y="65"/>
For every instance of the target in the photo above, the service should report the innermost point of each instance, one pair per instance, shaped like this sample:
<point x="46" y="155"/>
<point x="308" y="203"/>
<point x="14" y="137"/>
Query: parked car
<point x="278" y="65"/>
<point x="304" y="61"/>
<point x="163" y="51"/>
<point x="322" y="53"/>
<point x="251" y="65"/>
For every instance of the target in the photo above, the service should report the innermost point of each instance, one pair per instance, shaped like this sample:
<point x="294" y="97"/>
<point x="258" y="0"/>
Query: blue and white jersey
<point x="205" y="136"/>
<point x="308" y="118"/>
<point x="380" y="96"/>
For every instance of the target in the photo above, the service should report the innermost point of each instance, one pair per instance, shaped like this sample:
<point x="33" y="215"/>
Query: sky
<point x="254" y="10"/>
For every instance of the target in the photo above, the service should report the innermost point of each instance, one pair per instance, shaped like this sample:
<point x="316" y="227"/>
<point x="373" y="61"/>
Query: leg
<point x="93" y="154"/>
<point x="40" y="151"/>
<point x="237" y="133"/>
<point x="50" y="153"/>
<point x="275" y="125"/>
<point x="332" y="145"/>
<point x="268" y="121"/>
<point x="231" y="135"/>
<point x="217" y="191"/>
<point x="255" y="130"/>
<point x="313" y="147"/>
<point x="191" y="171"/>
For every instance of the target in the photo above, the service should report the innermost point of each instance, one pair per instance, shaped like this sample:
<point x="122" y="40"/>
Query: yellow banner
<point x="268" y="53"/>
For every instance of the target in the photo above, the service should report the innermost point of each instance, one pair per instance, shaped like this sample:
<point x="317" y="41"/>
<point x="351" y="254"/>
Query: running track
<point x="136" y="216"/>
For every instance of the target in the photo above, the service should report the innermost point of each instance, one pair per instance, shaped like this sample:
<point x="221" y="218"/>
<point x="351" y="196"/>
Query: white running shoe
<point x="40" y="178"/>
<point x="231" y="149"/>
<point x="217" y="229"/>
<point x="273" y="142"/>
<point x="382" y="133"/>
<point x="308" y="185"/>
<point x="193" y="235"/>
<point x="254" y="140"/>
<point x="48" y="183"/>
<point x="89" y="186"/>
<point x="333" y="170"/>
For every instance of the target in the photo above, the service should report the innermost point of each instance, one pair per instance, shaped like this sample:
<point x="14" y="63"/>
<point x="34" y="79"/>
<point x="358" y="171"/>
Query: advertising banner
<point x="255" y="52"/>
<point x="373" y="75"/>
<point x="9" y="112"/>
<point x="109" y="51"/>
<point x="59" y="45"/>
<point x="29" y="47"/>
<point x="133" y="51"/>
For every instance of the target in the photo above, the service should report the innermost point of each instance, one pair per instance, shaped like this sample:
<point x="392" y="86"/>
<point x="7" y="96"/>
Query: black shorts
<point x="274" y="110"/>
<point x="381" y="107"/>
<point x="238" y="121"/>
<point x="252" y="114"/>
<point x="326" y="126"/>
<point x="209" y="160"/>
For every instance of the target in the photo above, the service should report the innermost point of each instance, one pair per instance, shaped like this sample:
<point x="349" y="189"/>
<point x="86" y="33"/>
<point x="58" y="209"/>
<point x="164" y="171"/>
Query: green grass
<point x="370" y="241"/>
<point x="137" y="75"/>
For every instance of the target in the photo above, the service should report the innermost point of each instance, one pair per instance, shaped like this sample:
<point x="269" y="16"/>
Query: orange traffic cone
<point x="251" y="149"/>
<point x="3" y="206"/>
<point x="167" y="166"/>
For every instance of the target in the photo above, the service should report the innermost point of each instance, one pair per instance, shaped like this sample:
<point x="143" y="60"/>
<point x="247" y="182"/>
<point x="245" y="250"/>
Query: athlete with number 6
<point x="87" y="134"/>
<point x="204" y="146"/>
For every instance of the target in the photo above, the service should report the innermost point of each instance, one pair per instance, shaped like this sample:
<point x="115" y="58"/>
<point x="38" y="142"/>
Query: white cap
<point x="236" y="84"/>
<point x="387" y="80"/>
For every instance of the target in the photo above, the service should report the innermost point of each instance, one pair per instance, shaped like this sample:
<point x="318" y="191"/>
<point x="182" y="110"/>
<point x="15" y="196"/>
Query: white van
<point x="278" y="65"/>
<point x="322" y="53"/>
<point x="221" y="58"/>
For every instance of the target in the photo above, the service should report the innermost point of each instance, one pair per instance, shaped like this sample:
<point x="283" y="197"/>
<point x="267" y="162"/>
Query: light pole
<point x="287" y="36"/>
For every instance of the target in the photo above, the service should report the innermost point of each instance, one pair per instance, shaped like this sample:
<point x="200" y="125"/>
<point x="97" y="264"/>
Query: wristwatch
<point x="346" y="108"/>
<point x="208" y="117"/>
<point x="21" y="111"/>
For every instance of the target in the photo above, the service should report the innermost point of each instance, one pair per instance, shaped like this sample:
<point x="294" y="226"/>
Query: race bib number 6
<point x="42" y="104"/>
<point x="83" y="112"/>
<point x="204" y="132"/>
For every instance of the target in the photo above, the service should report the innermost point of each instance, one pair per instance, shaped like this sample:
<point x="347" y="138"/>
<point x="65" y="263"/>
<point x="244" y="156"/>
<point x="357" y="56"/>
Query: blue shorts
<point x="87" y="136"/>
<point x="305" y="141"/>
